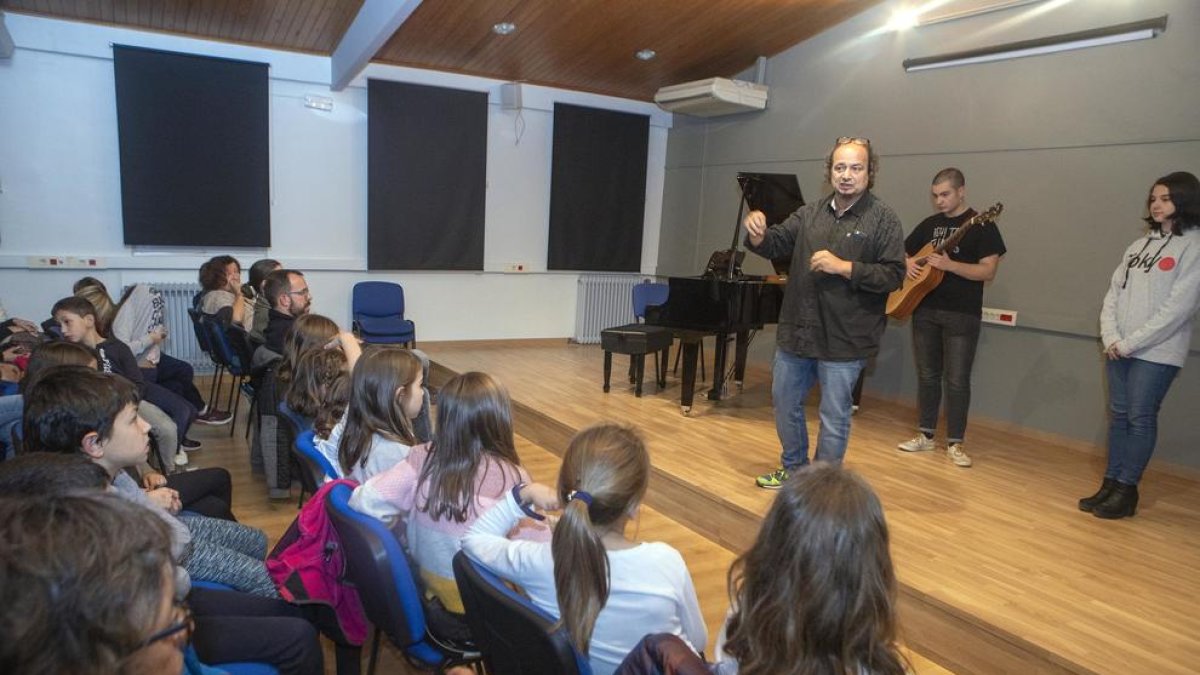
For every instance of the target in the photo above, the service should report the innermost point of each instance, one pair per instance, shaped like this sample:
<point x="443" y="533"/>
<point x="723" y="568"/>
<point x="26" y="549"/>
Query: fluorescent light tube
<point x="1137" y="30"/>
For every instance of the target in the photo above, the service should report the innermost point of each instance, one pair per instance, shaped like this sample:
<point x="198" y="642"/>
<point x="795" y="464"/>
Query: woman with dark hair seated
<point x="221" y="279"/>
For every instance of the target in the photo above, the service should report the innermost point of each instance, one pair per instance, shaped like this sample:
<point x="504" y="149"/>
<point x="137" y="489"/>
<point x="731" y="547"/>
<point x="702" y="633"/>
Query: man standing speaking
<point x="847" y="254"/>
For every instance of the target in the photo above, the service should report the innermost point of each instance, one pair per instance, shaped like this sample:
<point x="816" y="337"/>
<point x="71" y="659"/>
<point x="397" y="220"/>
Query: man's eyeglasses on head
<point x="844" y="140"/>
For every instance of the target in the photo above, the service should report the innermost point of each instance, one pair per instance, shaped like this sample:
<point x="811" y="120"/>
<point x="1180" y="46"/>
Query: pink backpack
<point x="308" y="562"/>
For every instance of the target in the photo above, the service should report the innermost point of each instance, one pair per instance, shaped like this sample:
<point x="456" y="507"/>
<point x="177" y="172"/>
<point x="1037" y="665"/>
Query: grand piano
<point x="723" y="301"/>
<point x="711" y="305"/>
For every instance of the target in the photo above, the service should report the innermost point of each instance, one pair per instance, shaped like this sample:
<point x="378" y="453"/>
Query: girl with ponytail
<point x="607" y="589"/>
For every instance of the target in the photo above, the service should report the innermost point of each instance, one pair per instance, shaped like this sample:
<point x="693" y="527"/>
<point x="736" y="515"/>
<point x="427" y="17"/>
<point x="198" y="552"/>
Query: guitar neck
<point x="950" y="242"/>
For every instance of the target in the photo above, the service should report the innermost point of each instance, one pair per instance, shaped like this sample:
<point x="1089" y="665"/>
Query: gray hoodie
<point x="1153" y="298"/>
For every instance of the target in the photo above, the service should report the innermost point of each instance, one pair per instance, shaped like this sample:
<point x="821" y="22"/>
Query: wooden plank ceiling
<point x="586" y="45"/>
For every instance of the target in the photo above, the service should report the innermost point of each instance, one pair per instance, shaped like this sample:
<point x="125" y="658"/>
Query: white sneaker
<point x="181" y="458"/>
<point x="918" y="444"/>
<point x="956" y="455"/>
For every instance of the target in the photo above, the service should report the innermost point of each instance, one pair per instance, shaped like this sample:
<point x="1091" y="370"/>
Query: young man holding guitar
<point x="946" y="321"/>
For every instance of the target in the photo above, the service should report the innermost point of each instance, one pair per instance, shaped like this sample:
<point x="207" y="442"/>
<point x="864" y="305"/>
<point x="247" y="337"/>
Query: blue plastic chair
<point x="317" y="463"/>
<point x="514" y="635"/>
<point x="391" y="598"/>
<point x="199" y="321"/>
<point x="231" y="350"/>
<point x="378" y="314"/>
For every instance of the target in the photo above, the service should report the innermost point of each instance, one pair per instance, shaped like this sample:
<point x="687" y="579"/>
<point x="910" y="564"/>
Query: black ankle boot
<point x="1121" y="503"/>
<point x="1089" y="503"/>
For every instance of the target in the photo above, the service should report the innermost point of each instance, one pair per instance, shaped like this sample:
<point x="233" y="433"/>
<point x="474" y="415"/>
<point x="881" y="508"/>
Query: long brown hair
<point x="816" y="592"/>
<point x="311" y="331"/>
<point x="474" y="419"/>
<point x="380" y="382"/>
<point x="610" y="464"/>
<point x="320" y="388"/>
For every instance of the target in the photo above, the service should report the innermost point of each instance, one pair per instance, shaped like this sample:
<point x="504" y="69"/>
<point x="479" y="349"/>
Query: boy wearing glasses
<point x="847" y="254"/>
<point x="288" y="294"/>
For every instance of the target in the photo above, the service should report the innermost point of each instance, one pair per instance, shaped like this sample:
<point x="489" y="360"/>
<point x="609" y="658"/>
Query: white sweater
<point x="383" y="454"/>
<point x="650" y="589"/>
<point x="1153" y="297"/>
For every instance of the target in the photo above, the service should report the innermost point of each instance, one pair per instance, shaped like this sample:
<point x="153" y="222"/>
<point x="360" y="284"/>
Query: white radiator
<point x="181" y="342"/>
<point x="603" y="301"/>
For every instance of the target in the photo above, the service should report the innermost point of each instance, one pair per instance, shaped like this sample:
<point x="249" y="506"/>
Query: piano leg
<point x="660" y="371"/>
<point x="719" y="357"/>
<point x="639" y="361"/>
<point x="607" y="369"/>
<point x="690" y="349"/>
<point x="739" y="357"/>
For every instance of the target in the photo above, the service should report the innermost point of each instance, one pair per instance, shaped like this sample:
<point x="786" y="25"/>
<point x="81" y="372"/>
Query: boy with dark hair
<point x="76" y="318"/>
<point x="76" y="409"/>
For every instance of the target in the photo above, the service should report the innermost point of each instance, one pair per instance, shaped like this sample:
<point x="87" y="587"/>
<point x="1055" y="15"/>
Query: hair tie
<point x="581" y="496"/>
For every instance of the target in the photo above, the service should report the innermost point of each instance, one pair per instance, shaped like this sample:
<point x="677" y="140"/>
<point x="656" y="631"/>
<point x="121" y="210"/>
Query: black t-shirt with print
<point x="955" y="293"/>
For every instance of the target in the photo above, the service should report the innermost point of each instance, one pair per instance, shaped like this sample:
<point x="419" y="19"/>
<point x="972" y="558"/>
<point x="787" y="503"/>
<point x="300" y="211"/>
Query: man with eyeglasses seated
<point x="847" y="253"/>
<point x="288" y="293"/>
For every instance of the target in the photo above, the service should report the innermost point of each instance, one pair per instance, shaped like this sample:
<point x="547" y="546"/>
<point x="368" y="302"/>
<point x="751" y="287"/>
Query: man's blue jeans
<point x="1136" y="390"/>
<point x="794" y="376"/>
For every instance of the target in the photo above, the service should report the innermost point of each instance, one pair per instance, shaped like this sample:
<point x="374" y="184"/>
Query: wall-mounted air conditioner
<point x="712" y="97"/>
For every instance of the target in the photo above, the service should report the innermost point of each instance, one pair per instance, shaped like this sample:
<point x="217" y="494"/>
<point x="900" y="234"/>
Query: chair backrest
<point x="378" y="298"/>
<point x="241" y="347"/>
<point x="306" y="445"/>
<point x="377" y="567"/>
<point x="514" y="635"/>
<point x="201" y="331"/>
<point x="646" y="294"/>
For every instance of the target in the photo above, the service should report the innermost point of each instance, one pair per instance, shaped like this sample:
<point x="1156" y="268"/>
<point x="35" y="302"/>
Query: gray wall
<point x="1068" y="142"/>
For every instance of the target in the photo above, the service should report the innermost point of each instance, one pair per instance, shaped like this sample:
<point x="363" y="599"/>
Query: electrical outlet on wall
<point x="515" y="267"/>
<point x="1002" y="317"/>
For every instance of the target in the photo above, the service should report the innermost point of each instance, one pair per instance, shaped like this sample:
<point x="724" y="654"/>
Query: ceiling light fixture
<point x="504" y="28"/>
<point x="1126" y="32"/>
<point x="646" y="54"/>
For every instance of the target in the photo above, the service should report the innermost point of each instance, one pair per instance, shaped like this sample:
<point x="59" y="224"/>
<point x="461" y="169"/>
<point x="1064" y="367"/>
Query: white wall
<point x="60" y="185"/>
<point x="1069" y="142"/>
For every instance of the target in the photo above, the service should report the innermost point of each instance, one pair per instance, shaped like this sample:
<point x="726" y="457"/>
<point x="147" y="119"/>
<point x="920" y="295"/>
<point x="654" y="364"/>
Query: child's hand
<point x="543" y="497"/>
<point x="153" y="480"/>
<point x="166" y="498"/>
<point x="157" y="336"/>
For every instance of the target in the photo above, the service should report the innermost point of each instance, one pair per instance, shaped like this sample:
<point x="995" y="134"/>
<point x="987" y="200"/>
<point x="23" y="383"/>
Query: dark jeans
<point x="208" y="492"/>
<point x="177" y="376"/>
<point x="1136" y="390"/>
<point x="181" y="412"/>
<point x="236" y="627"/>
<point x="945" y="349"/>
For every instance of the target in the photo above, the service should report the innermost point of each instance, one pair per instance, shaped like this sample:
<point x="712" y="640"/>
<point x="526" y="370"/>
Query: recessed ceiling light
<point x="504" y="28"/>
<point x="646" y="54"/>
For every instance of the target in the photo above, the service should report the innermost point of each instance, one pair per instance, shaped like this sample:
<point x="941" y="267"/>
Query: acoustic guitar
<point x="903" y="301"/>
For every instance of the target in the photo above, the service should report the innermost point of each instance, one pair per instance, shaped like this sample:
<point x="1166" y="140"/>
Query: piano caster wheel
<point x="686" y="410"/>
<point x="739" y="385"/>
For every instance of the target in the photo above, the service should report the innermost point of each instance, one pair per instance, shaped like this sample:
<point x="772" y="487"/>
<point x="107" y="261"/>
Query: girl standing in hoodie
<point x="1146" y="330"/>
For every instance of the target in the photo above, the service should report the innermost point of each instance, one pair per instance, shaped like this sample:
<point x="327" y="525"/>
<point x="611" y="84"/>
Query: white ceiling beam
<point x="375" y="24"/>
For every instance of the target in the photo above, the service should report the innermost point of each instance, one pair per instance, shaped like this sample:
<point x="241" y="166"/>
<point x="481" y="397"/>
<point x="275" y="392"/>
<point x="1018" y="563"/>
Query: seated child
<point x="444" y="486"/>
<point x="73" y="409"/>
<point x="608" y="590"/>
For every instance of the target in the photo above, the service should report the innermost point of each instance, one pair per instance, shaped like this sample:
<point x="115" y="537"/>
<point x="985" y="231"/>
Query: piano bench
<point x="637" y="340"/>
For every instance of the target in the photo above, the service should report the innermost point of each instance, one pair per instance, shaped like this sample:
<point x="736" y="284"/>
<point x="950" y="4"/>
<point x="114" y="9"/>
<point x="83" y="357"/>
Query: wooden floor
<point x="999" y="570"/>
